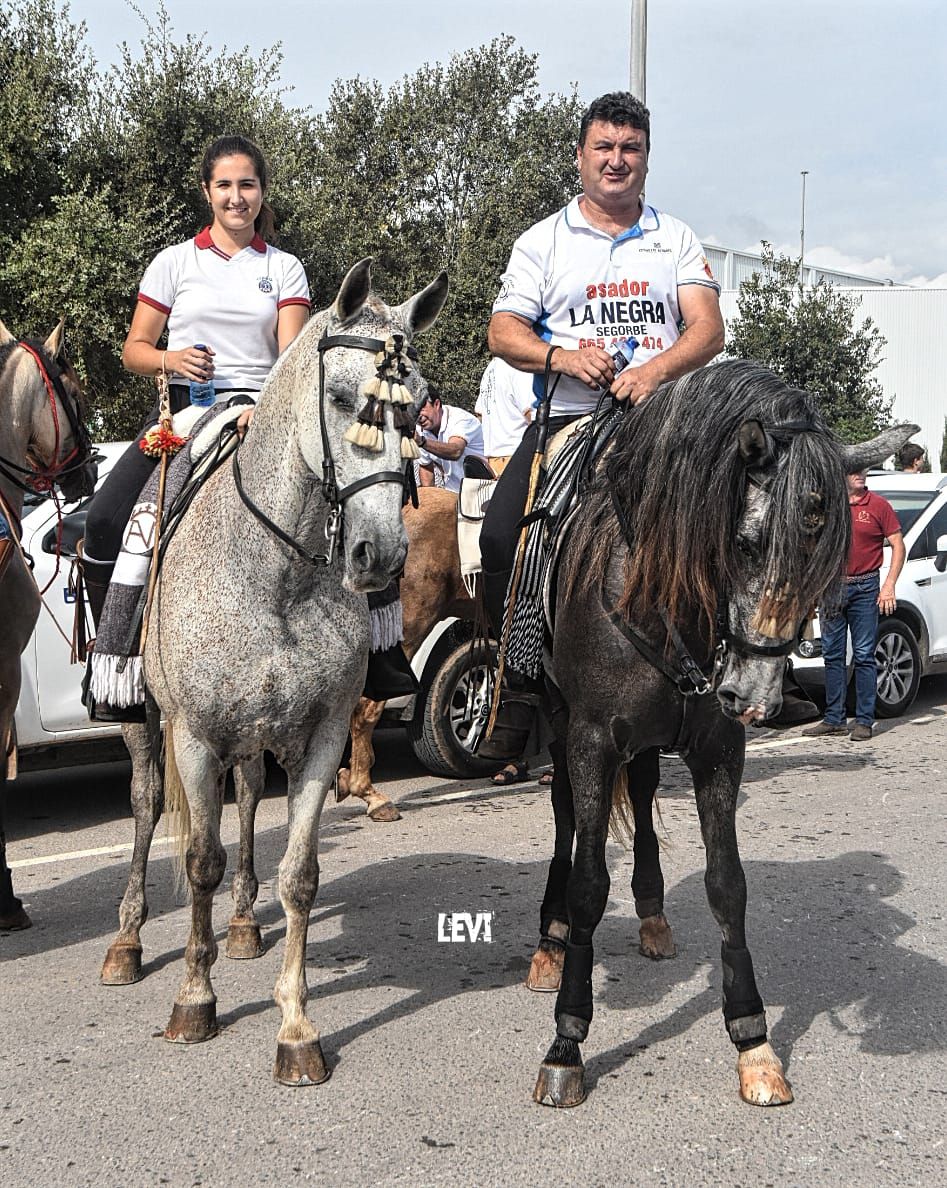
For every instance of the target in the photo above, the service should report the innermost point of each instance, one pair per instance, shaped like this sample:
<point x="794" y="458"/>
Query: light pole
<point x="802" y="230"/>
<point x="639" y="49"/>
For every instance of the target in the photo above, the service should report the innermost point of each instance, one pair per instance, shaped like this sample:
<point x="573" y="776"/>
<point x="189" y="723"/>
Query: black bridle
<point x="41" y="478"/>
<point x="333" y="496"/>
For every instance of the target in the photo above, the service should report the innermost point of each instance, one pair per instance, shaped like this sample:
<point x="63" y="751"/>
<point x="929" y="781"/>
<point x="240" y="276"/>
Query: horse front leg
<point x="655" y="939"/>
<point x="244" y="941"/>
<point x="356" y="779"/>
<point x="13" y="917"/>
<point x="593" y="765"/>
<point x="545" y="970"/>
<point x="299" y="1058"/>
<point x="194" y="1015"/>
<point x="761" y="1073"/>
<point x="122" y="964"/>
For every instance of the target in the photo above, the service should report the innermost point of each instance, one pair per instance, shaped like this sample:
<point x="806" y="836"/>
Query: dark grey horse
<point x="42" y="440"/>
<point x="256" y="644"/>
<point x="718" y="519"/>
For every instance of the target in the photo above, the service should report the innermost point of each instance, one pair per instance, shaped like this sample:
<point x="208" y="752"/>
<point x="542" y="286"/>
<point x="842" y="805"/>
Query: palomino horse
<point x="277" y="659"/>
<point x="432" y="589"/>
<point x="717" y="519"/>
<point x="42" y="441"/>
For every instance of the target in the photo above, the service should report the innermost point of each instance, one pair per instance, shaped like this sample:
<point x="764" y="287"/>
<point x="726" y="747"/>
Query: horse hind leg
<point x="122" y="965"/>
<point x="545" y="970"/>
<point x="356" y="779"/>
<point x="655" y="939"/>
<point x="194" y="1015"/>
<point x="13" y="917"/>
<point x="244" y="941"/>
<point x="762" y="1081"/>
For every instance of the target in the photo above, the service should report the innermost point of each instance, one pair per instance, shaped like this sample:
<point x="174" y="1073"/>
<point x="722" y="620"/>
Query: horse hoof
<point x="545" y="970"/>
<point x="300" y="1064"/>
<point x="16" y="921"/>
<point x="384" y="812"/>
<point x="761" y="1077"/>
<point x="244" y="941"/>
<point x="560" y="1085"/>
<point x="122" y="965"/>
<point x="656" y="938"/>
<point x="192" y="1023"/>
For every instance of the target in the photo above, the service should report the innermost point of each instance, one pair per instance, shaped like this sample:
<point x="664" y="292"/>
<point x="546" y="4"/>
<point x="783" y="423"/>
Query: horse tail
<point x="621" y="819"/>
<point x="177" y="811"/>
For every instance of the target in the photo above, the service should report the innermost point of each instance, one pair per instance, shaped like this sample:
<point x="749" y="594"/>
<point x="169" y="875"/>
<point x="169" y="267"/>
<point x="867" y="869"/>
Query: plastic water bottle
<point x="622" y="352"/>
<point x="202" y="391"/>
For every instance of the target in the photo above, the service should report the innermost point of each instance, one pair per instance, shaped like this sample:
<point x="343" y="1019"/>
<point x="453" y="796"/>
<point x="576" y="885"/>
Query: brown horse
<point x="432" y="589"/>
<point x="42" y="440"/>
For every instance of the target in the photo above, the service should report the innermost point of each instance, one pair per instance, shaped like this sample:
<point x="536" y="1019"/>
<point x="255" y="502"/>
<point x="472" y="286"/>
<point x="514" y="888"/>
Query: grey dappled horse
<point x="256" y="644"/>
<point x="717" y="520"/>
<point x="42" y="440"/>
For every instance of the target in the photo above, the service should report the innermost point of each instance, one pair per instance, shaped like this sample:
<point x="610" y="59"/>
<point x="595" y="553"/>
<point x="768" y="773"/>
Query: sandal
<point x="545" y="779"/>
<point x="514" y="773"/>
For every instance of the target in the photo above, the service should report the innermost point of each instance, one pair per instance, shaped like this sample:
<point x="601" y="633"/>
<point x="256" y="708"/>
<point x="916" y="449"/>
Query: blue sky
<point x="744" y="94"/>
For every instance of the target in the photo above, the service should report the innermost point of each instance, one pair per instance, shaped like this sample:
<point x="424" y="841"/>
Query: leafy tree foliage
<point x="943" y="450"/>
<point x="808" y="336"/>
<point x="99" y="171"/>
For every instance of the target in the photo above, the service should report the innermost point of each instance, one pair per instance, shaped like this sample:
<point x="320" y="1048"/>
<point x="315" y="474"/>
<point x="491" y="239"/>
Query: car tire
<point x="899" y="668"/>
<point x="452" y="704"/>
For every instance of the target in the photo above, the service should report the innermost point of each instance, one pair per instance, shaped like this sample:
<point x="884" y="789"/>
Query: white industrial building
<point x="913" y="322"/>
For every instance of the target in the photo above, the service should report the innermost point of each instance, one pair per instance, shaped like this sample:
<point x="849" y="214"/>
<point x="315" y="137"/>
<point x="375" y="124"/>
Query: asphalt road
<point x="435" y="1047"/>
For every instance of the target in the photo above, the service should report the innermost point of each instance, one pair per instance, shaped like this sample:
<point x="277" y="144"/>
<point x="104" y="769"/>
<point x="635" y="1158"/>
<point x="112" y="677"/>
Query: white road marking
<point x="72" y="855"/>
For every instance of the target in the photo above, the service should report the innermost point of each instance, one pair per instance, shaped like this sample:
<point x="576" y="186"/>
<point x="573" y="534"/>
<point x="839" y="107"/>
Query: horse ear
<point x="754" y="444"/>
<point x="354" y="290"/>
<point x="873" y="452"/>
<point x="54" y="343"/>
<point x="420" y="311"/>
<point x="5" y="335"/>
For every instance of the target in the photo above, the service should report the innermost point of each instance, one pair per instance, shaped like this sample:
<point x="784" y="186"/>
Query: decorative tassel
<point x="384" y="392"/>
<point x="409" y="448"/>
<point x="368" y="410"/>
<point x="400" y="394"/>
<point x="401" y="418"/>
<point x="366" y="436"/>
<point x="381" y="359"/>
<point x="371" y="387"/>
<point x="160" y="440"/>
<point x="379" y="415"/>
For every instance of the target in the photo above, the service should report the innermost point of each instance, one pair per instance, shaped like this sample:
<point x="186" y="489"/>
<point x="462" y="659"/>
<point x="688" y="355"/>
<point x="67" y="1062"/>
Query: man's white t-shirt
<point x="455" y="422"/>
<point x="578" y="285"/>
<point x="504" y="404"/>
<point x="228" y="303"/>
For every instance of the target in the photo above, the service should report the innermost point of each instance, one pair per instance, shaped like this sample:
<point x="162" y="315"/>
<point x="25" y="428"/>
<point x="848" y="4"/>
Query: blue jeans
<point x="858" y="613"/>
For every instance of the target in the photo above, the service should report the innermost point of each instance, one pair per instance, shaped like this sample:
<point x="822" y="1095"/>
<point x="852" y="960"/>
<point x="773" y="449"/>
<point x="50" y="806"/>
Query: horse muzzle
<point x="369" y="567"/>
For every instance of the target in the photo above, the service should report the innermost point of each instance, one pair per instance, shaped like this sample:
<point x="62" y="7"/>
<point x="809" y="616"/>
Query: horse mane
<point x="676" y="474"/>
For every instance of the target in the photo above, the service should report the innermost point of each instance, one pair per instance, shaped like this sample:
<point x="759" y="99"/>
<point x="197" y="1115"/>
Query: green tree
<point x="943" y="450"/>
<point x="443" y="170"/>
<point x="809" y="337"/>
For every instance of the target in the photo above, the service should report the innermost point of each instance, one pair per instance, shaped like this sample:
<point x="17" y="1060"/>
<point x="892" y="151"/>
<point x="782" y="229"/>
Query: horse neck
<point x="275" y="473"/>
<point x="16" y="416"/>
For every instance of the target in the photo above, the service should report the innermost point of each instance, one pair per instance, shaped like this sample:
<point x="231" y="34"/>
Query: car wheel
<point x="451" y="712"/>
<point x="899" y="668"/>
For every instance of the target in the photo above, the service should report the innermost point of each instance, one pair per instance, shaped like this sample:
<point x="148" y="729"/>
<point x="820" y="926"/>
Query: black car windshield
<point x="907" y="505"/>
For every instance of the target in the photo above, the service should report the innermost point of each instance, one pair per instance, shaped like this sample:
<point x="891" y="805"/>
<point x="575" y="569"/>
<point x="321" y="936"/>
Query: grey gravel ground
<point x="435" y="1047"/>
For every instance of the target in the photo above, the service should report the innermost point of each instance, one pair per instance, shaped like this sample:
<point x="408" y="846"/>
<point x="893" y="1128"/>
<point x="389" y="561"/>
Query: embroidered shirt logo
<point x="266" y="285"/>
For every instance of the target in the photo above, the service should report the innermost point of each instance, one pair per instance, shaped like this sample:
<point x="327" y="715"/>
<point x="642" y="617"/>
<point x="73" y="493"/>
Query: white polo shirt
<point x="229" y="303"/>
<point x="578" y="285"/>
<point x="455" y="422"/>
<point x="504" y="404"/>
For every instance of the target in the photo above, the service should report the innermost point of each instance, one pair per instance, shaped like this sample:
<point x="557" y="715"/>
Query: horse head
<point x="791" y="543"/>
<point x="45" y="389"/>
<point x="356" y="429"/>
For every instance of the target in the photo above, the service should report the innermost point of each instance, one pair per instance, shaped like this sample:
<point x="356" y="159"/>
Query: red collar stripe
<point x="203" y="241"/>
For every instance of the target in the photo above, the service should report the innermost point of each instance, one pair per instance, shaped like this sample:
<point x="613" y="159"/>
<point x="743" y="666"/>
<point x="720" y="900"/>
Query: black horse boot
<point x="389" y="675"/>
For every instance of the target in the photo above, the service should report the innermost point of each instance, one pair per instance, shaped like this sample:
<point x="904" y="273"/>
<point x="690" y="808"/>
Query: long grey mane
<point x="675" y="471"/>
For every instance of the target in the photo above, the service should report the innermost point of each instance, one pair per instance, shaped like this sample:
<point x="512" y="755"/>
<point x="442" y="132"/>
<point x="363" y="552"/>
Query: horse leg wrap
<point x="742" y="1006"/>
<point x="653" y="906"/>
<point x="574" y="1004"/>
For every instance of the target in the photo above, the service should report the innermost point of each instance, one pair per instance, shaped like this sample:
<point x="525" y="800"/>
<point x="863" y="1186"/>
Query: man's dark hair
<point x="621" y="108"/>
<point x="908" y="455"/>
<point x="433" y="394"/>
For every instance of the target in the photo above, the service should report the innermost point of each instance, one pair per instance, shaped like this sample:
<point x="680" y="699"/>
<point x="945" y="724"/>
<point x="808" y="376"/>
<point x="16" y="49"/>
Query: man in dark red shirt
<point x="873" y="521"/>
